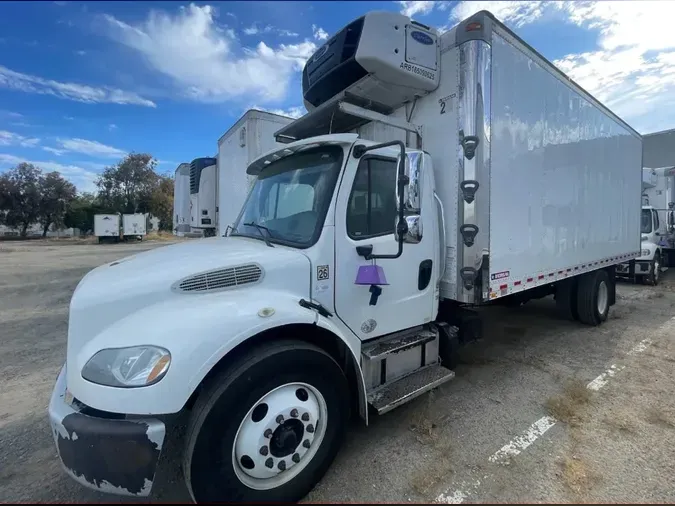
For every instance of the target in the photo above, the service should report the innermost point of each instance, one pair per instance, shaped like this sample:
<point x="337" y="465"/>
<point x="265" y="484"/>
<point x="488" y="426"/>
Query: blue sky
<point x="83" y="83"/>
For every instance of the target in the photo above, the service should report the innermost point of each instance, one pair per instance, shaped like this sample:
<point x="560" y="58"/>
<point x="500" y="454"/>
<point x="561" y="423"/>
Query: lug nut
<point x="264" y="451"/>
<point x="310" y="428"/>
<point x="294" y="413"/>
<point x="296" y="458"/>
<point x="280" y="419"/>
<point x="282" y="465"/>
<point x="305" y="443"/>
<point x="268" y="433"/>
<point x="269" y="463"/>
<point x="305" y="417"/>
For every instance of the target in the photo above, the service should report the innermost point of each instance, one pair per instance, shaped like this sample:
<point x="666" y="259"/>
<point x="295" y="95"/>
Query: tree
<point x="56" y="195"/>
<point x="128" y="186"/>
<point x="161" y="203"/>
<point x="20" y="196"/>
<point x="81" y="211"/>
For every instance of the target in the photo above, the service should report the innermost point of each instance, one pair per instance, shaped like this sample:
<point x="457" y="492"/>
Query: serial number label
<point x="416" y="70"/>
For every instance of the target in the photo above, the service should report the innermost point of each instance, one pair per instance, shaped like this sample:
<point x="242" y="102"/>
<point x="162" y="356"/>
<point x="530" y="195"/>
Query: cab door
<point x="365" y="215"/>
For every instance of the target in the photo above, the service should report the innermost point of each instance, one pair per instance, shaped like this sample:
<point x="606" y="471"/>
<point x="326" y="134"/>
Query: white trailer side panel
<point x="134" y="224"/>
<point x="107" y="225"/>
<point x="565" y="179"/>
<point x="249" y="138"/>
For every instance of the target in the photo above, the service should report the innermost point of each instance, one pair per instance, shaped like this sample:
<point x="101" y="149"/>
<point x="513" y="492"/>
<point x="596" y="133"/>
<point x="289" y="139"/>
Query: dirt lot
<point x="542" y="410"/>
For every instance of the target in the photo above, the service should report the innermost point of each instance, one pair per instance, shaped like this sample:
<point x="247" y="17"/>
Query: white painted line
<point x="458" y="496"/>
<point x="641" y="346"/>
<point x="602" y="380"/>
<point x="519" y="444"/>
<point x="534" y="432"/>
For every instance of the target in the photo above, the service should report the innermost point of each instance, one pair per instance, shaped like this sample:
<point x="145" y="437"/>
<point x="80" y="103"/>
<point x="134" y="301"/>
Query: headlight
<point x="643" y="237"/>
<point x="645" y="252"/>
<point x="138" y="366"/>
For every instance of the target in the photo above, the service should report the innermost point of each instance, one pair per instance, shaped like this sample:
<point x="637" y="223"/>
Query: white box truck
<point x="346" y="277"/>
<point x="107" y="227"/>
<point x="134" y="226"/>
<point x="250" y="137"/>
<point x="181" y="200"/>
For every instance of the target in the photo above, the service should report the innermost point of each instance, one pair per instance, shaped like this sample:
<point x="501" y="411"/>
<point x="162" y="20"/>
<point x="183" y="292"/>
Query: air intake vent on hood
<point x="220" y="279"/>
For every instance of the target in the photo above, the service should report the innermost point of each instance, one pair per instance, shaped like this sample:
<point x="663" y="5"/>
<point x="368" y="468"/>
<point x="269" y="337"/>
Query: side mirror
<point x="411" y="198"/>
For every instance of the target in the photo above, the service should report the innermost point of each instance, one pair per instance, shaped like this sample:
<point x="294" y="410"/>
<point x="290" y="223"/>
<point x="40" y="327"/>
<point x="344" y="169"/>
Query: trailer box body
<point x="181" y="200"/>
<point x="203" y="195"/>
<point x="134" y="225"/>
<point x="107" y="225"/>
<point x="246" y="140"/>
<point x="538" y="180"/>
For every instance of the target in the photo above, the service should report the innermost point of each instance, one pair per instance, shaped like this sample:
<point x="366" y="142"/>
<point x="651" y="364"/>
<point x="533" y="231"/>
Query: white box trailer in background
<point x="107" y="227"/>
<point x="134" y="226"/>
<point x="251" y="136"/>
<point x="203" y="195"/>
<point x="504" y="181"/>
<point x="181" y="200"/>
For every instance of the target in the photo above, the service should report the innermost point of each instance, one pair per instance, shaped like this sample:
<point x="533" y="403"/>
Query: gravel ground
<point x="613" y="444"/>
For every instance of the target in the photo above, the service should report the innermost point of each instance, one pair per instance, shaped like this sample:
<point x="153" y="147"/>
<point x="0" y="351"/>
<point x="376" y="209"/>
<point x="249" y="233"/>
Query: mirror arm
<point x="402" y="180"/>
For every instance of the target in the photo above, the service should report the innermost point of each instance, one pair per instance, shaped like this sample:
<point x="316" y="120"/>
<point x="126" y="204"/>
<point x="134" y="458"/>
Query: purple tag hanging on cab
<point x="370" y="275"/>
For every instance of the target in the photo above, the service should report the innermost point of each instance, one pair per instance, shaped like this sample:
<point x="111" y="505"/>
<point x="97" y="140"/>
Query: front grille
<point x="221" y="279"/>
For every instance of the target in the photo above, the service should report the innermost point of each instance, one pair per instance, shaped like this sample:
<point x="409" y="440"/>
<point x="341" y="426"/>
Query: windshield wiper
<point x="260" y="228"/>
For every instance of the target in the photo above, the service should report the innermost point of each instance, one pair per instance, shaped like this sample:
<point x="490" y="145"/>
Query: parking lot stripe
<point x="535" y="431"/>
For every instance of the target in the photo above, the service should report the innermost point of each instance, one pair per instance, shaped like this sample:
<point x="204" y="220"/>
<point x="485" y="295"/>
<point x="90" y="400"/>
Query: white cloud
<point x="55" y="151"/>
<point x="83" y="179"/>
<point x="319" y="33"/>
<point x="412" y="9"/>
<point x="91" y="148"/>
<point x="291" y="112"/>
<point x="81" y="52"/>
<point x="632" y="67"/>
<point x="11" y="114"/>
<point x="68" y="118"/>
<point x="202" y="59"/>
<point x="112" y="126"/>
<point x="13" y="139"/>
<point x="254" y="29"/>
<point x="69" y="91"/>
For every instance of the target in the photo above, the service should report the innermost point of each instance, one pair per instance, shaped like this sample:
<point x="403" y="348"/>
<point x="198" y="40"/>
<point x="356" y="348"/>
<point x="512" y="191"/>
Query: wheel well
<point x="308" y="333"/>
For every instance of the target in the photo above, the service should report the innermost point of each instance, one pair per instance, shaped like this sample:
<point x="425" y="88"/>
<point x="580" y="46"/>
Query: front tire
<point x="655" y="275"/>
<point x="268" y="428"/>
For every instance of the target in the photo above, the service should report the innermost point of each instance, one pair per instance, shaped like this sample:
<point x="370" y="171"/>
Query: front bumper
<point x="642" y="267"/>
<point x="104" y="451"/>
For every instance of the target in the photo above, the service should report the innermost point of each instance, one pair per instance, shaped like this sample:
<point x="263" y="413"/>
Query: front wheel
<point x="268" y="429"/>
<point x="653" y="277"/>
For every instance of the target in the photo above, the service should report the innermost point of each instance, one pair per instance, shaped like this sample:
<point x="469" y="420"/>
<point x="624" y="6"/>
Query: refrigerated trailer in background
<point x="204" y="195"/>
<point x="181" y="200"/>
<point x="432" y="173"/>
<point x="134" y="226"/>
<point x="107" y="227"/>
<point x="250" y="137"/>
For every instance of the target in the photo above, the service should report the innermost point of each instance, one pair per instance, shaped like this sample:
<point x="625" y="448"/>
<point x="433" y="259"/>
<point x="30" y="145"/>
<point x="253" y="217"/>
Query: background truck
<point x="107" y="227"/>
<point x="431" y="174"/>
<point x="134" y="226"/>
<point x="251" y="136"/>
<point x="219" y="185"/>
<point x="181" y="200"/>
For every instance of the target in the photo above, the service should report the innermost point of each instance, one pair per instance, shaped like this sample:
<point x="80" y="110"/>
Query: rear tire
<point x="566" y="299"/>
<point x="593" y="295"/>
<point x="280" y="397"/>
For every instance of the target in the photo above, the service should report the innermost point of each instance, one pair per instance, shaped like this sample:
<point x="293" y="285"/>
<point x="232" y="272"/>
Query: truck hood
<point x="110" y="293"/>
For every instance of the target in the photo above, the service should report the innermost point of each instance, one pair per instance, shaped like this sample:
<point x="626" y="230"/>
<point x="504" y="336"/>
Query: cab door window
<point x="372" y="203"/>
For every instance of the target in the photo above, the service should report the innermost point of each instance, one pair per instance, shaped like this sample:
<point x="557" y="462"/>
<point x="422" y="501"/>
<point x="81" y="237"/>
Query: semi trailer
<point x="107" y="227"/>
<point x="219" y="184"/>
<point x="181" y="200"/>
<point x="433" y="173"/>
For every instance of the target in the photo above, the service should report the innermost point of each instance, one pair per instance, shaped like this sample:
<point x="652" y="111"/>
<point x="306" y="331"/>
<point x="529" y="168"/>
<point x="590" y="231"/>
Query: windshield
<point x="290" y="198"/>
<point x="646" y="222"/>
